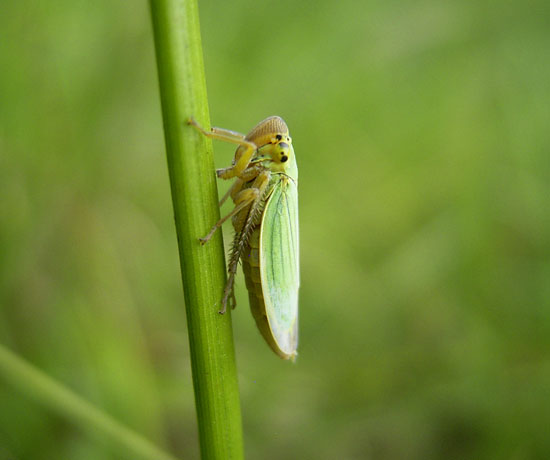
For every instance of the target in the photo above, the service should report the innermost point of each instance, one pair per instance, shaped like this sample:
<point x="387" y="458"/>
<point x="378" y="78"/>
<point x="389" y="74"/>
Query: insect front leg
<point x="218" y="133"/>
<point x="242" y="156"/>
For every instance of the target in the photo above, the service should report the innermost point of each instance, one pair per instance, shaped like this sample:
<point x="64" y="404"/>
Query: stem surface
<point x="194" y="195"/>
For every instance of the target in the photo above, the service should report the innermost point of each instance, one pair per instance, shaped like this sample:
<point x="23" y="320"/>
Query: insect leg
<point x="242" y="159"/>
<point x="244" y="152"/>
<point x="247" y="175"/>
<point x="236" y="210"/>
<point x="233" y="190"/>
<point x="244" y="225"/>
<point x="218" y="133"/>
<point x="240" y="197"/>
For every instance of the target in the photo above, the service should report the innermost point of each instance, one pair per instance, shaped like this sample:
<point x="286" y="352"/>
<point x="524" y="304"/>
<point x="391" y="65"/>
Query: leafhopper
<point x="265" y="219"/>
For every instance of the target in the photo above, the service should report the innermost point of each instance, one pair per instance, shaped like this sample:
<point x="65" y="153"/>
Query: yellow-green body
<point x="276" y="319"/>
<point x="265" y="219"/>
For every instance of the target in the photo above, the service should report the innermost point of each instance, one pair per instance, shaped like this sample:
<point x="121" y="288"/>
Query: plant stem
<point x="193" y="183"/>
<point x="31" y="381"/>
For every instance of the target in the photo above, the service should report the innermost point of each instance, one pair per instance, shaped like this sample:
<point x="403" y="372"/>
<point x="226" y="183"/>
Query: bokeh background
<point x="422" y="135"/>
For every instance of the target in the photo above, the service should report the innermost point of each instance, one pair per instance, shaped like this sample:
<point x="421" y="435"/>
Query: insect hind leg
<point x="243" y="199"/>
<point x="244" y="229"/>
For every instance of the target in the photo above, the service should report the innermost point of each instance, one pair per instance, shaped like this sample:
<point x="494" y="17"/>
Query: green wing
<point x="279" y="267"/>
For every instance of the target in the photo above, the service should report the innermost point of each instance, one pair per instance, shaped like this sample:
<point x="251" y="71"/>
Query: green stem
<point x="31" y="381"/>
<point x="193" y="183"/>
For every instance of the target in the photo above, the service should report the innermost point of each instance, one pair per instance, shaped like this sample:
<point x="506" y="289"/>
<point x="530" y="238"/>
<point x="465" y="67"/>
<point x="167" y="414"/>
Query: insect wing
<point x="280" y="276"/>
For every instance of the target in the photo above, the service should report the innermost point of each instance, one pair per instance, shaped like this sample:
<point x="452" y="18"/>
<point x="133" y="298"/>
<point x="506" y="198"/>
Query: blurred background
<point x="422" y="136"/>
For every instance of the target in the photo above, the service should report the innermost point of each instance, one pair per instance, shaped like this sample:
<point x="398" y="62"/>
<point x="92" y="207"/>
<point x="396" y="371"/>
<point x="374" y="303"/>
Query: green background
<point x="422" y="137"/>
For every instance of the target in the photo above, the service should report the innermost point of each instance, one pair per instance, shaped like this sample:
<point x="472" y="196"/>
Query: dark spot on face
<point x="284" y="158"/>
<point x="279" y="137"/>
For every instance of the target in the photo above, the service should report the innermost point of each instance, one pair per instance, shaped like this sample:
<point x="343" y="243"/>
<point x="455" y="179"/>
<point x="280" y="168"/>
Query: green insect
<point x="265" y="219"/>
